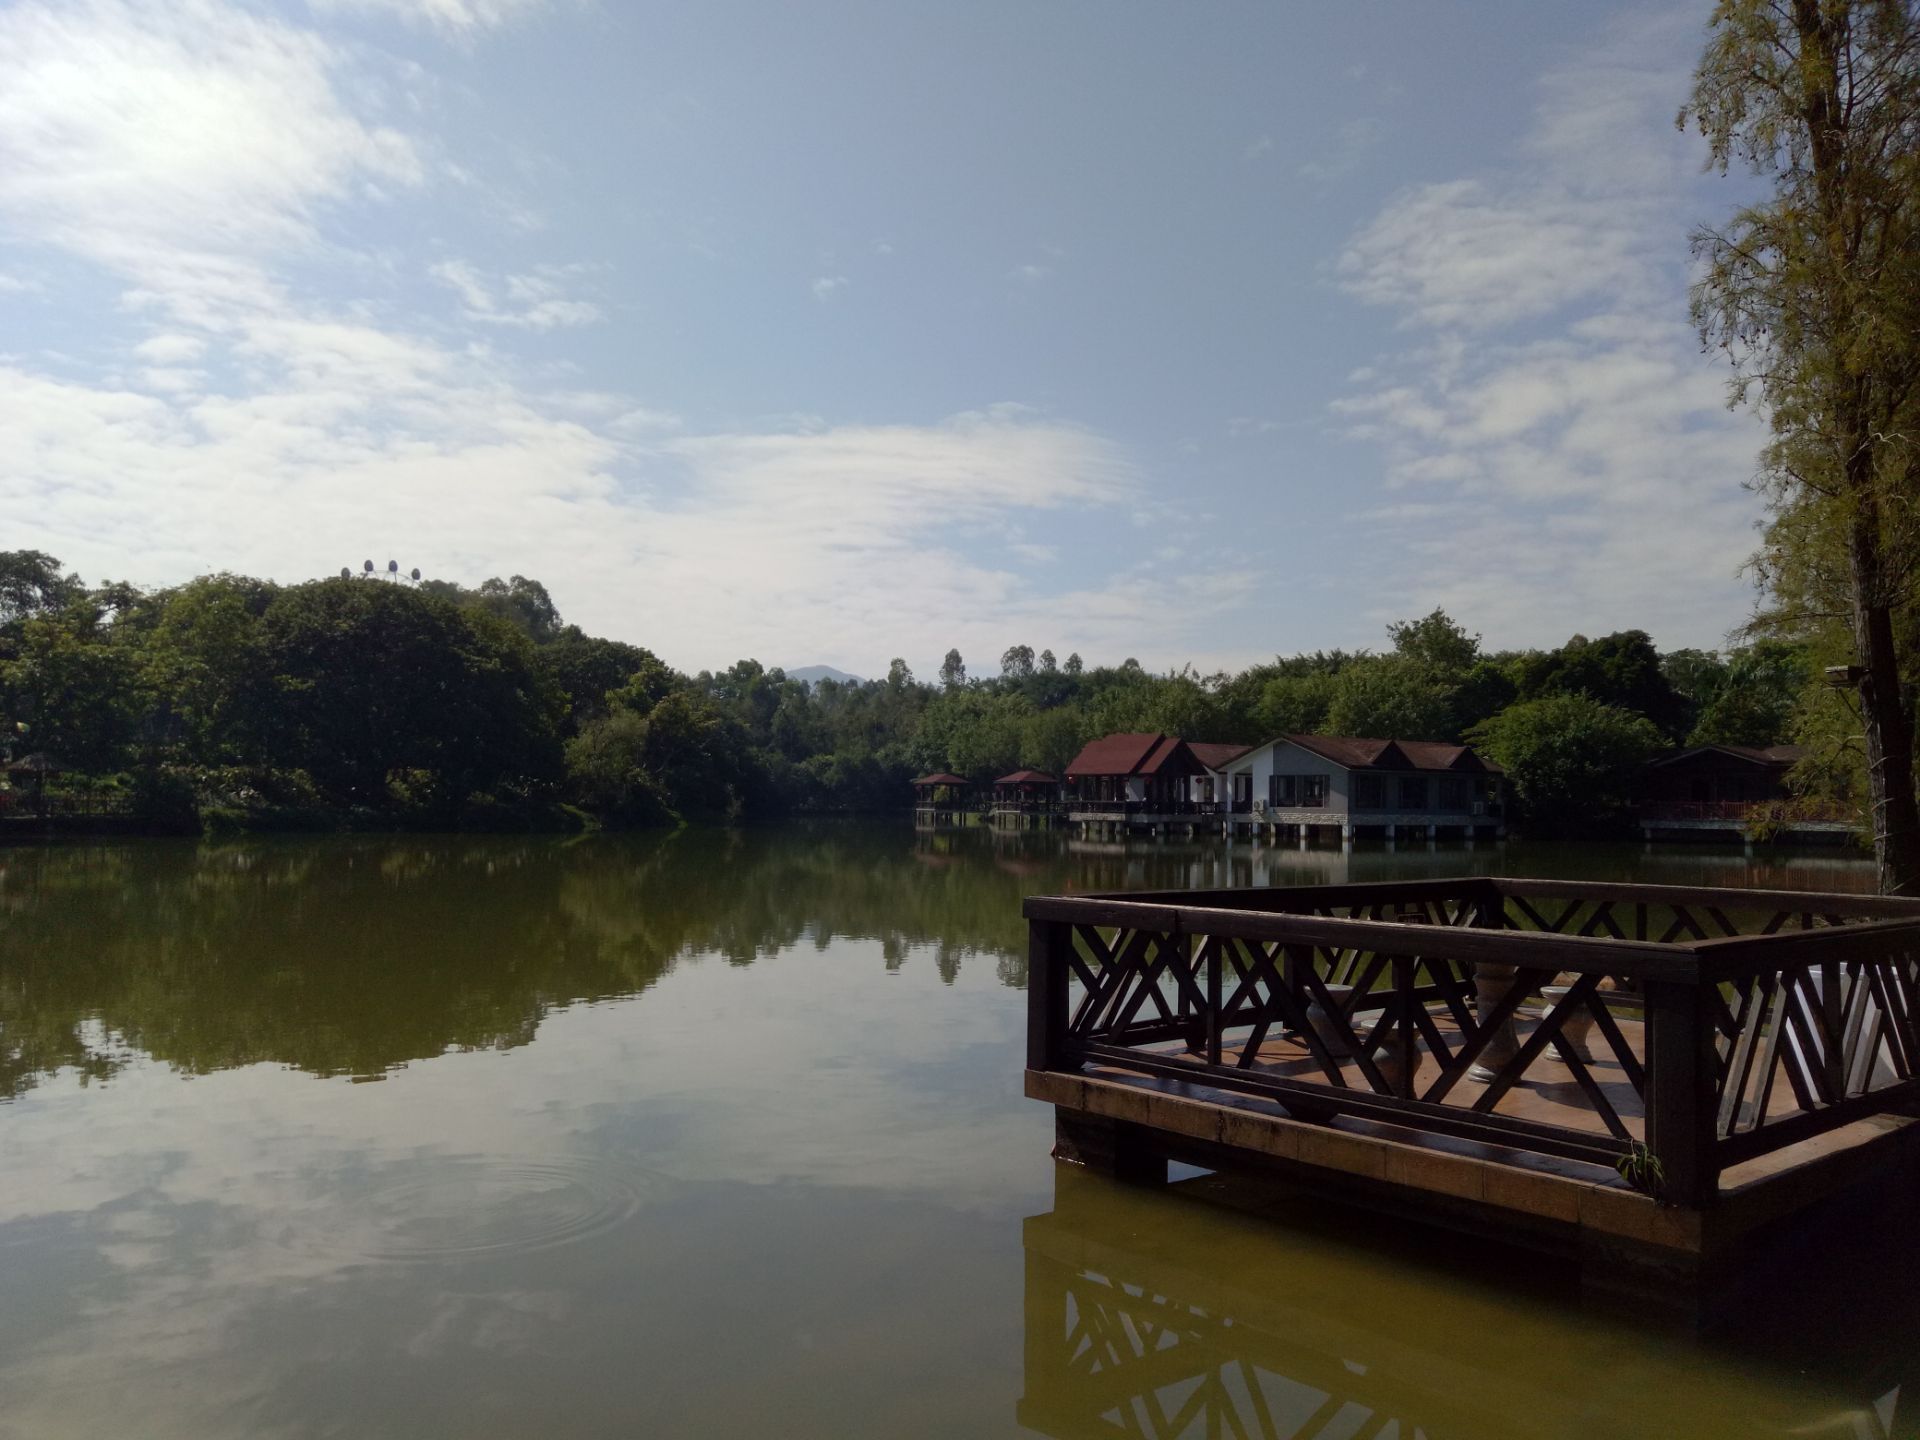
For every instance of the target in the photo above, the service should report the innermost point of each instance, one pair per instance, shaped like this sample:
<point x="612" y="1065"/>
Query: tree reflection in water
<point x="351" y="956"/>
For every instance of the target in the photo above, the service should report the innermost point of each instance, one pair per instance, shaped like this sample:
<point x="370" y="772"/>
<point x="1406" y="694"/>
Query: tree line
<point x="235" y="701"/>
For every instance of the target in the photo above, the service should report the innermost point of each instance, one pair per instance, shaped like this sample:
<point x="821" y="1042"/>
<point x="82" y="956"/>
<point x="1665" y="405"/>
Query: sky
<point x="830" y="333"/>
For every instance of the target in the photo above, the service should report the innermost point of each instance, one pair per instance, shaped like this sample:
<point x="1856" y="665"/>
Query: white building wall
<point x="1283" y="757"/>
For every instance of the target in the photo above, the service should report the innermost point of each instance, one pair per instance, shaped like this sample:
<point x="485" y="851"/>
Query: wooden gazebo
<point x="1026" y="787"/>
<point x="940" y="799"/>
<point x="928" y="787"/>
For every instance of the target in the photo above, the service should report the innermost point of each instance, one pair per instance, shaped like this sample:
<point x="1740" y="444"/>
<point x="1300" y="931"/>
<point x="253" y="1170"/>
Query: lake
<point x="720" y="1134"/>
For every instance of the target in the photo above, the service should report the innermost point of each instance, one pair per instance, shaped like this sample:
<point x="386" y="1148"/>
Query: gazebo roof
<point x="1027" y="777"/>
<point x="940" y="777"/>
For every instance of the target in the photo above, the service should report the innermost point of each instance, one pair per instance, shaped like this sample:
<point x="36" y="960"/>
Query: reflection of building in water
<point x="1157" y="1315"/>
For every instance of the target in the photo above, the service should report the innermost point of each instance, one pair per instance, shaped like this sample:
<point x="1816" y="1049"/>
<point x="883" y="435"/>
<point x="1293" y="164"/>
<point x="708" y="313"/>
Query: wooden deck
<point x="1702" y="1065"/>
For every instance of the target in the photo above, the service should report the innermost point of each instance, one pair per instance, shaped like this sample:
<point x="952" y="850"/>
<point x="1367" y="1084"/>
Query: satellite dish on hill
<point x="416" y="574"/>
<point x="346" y="572"/>
<point x="393" y="567"/>
<point x="368" y="567"/>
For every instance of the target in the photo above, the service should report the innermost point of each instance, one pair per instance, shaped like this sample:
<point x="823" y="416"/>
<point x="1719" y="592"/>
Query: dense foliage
<point x="1812" y="291"/>
<point x="229" y="700"/>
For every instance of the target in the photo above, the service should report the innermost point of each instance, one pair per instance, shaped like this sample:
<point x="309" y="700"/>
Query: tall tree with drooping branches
<point x="1813" y="292"/>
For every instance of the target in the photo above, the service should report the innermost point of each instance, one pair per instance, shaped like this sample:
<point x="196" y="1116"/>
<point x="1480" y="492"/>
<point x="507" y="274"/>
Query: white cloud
<point x="457" y="17"/>
<point x="828" y="286"/>
<point x="534" y="301"/>
<point x="171" y="349"/>
<point x="1262" y="146"/>
<point x="196" y="158"/>
<point x="1575" y="463"/>
<point x="178" y="145"/>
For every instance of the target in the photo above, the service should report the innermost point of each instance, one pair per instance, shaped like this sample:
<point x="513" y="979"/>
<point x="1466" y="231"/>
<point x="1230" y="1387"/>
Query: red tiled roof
<point x="1758" y="754"/>
<point x="1027" y="777"/>
<point x="940" y="778"/>
<point x="1355" y="753"/>
<point x="1123" y="755"/>
<point x="1213" y="755"/>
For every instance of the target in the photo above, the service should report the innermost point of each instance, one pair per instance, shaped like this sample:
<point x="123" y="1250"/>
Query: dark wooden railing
<point x="1705" y="1026"/>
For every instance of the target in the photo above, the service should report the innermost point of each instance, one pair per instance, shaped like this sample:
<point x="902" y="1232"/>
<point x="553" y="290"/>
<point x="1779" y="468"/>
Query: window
<point x="1297" y="792"/>
<point x="1413" y="792"/>
<point x="1369" y="792"/>
<point x="1453" y="795"/>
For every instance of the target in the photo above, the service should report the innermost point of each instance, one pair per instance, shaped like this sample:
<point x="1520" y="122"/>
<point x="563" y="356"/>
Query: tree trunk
<point x="1885" y="718"/>
<point x="1824" y="36"/>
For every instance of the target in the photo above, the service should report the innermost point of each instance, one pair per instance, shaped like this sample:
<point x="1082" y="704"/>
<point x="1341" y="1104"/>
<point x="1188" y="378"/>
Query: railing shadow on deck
<point x="1678" y="1031"/>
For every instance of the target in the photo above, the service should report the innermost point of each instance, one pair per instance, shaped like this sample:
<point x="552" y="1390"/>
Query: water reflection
<point x="353" y="957"/>
<point x="698" y="1135"/>
<point x="1156" y="1315"/>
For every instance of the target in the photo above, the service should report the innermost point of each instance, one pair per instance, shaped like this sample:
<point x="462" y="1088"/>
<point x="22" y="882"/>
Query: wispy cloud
<point x="194" y="160"/>
<point x="1574" y="459"/>
<point x="537" y="300"/>
<point x="455" y="17"/>
<point x="179" y="146"/>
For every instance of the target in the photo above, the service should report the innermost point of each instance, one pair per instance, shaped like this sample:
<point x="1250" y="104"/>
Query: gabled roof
<point x="1352" y="752"/>
<point x="940" y="777"/>
<point x="1771" y="756"/>
<point x="1212" y="755"/>
<point x="1125" y="755"/>
<point x="1027" y="777"/>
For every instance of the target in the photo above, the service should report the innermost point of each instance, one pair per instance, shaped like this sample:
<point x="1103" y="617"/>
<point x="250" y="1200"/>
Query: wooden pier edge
<point x="1687" y="1266"/>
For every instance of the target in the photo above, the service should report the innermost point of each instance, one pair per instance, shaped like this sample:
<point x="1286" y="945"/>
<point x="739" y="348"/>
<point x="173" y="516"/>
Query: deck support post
<point x="1049" y="943"/>
<point x="1108" y="1147"/>
<point x="1680" y="1088"/>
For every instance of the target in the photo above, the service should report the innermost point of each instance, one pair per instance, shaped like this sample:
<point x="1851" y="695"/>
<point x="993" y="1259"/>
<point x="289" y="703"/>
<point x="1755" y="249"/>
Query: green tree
<point x="585" y="668"/>
<point x="1390" y="697"/>
<point x="31" y="584"/>
<point x="953" y="671"/>
<point x="1294" y="705"/>
<point x="78" y="694"/>
<point x="1621" y="669"/>
<point x="1756" y="700"/>
<point x="371" y="680"/>
<point x="1571" y="760"/>
<point x="1049" y="739"/>
<point x="1814" y="294"/>
<point x="206" y="667"/>
<point x="1435" y="641"/>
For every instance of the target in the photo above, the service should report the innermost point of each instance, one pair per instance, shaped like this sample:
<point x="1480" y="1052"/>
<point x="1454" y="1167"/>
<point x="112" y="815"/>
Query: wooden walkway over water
<point x="1655" y="1080"/>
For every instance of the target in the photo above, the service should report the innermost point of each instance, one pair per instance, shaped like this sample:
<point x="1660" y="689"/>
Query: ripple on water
<point x="480" y="1208"/>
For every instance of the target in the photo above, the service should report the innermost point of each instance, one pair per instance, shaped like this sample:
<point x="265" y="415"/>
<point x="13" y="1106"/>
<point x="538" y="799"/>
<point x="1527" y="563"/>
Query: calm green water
<point x="720" y="1136"/>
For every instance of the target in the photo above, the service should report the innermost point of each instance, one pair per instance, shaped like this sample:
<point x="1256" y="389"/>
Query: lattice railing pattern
<point x="1528" y="1014"/>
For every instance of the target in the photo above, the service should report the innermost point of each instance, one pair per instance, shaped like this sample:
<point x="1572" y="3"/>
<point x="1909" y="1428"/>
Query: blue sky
<point x="835" y="332"/>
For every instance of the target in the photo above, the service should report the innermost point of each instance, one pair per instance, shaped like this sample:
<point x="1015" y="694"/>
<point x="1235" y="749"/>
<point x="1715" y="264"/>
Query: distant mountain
<point x="813" y="674"/>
